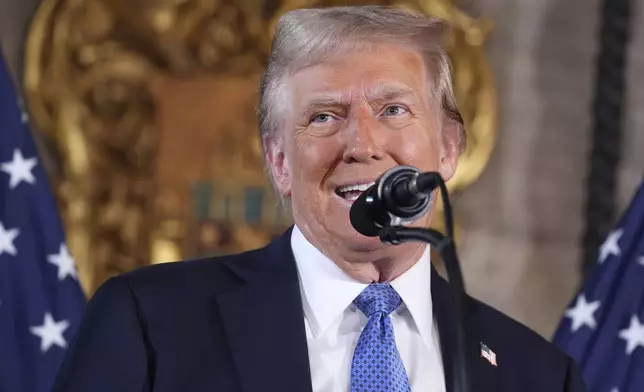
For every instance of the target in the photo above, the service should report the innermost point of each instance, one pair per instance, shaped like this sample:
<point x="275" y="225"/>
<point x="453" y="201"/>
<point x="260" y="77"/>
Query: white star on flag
<point x="640" y="260"/>
<point x="610" y="246"/>
<point x="6" y="240"/>
<point x="51" y="333"/>
<point x="19" y="169"/>
<point x="583" y="313"/>
<point x="64" y="261"/>
<point x="633" y="335"/>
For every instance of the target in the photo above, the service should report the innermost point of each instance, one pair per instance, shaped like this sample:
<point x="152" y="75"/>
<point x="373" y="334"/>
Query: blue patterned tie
<point x="377" y="365"/>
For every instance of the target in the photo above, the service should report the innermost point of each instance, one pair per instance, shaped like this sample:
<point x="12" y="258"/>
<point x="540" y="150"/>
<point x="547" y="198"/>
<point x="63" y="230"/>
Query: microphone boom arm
<point x="445" y="246"/>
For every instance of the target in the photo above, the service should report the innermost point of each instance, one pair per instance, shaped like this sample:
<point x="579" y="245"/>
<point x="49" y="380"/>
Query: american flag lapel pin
<point x="488" y="354"/>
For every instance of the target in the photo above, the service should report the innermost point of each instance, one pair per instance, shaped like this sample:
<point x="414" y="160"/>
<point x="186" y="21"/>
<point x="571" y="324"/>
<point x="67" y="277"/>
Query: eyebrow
<point x="325" y="99"/>
<point x="330" y="99"/>
<point x="379" y="94"/>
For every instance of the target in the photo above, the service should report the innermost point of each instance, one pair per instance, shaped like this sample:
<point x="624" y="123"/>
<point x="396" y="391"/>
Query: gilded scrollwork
<point x="149" y="104"/>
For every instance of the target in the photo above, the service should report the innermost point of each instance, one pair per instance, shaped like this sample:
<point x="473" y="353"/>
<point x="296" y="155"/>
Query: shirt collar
<point x="414" y="288"/>
<point x="320" y="276"/>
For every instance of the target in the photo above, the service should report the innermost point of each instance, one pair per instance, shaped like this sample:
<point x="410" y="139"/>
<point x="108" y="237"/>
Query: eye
<point x="321" y="118"/>
<point x="395" y="110"/>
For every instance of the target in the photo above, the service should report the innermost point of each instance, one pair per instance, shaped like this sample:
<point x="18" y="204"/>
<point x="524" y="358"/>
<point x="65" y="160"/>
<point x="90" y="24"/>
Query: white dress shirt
<point x="333" y="323"/>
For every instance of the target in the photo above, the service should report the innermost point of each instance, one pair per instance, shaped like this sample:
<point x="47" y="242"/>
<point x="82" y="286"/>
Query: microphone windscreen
<point x="362" y="213"/>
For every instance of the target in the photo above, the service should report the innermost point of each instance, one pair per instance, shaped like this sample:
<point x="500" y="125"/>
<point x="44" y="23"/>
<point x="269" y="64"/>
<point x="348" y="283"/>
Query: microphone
<point x="401" y="195"/>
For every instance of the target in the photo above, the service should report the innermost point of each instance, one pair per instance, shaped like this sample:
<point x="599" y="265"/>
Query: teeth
<point x="355" y="187"/>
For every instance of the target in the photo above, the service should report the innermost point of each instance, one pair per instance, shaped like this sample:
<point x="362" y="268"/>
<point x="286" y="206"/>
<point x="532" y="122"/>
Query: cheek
<point x="419" y="149"/>
<point x="313" y="158"/>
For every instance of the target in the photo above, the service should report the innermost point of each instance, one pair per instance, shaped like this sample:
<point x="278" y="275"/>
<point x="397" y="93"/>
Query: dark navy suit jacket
<point x="236" y="324"/>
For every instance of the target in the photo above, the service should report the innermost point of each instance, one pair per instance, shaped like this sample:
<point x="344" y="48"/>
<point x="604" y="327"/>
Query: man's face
<point x="351" y="119"/>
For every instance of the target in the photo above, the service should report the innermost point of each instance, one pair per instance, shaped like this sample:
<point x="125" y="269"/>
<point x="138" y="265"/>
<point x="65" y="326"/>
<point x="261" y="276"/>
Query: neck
<point x="380" y="268"/>
<point x="379" y="264"/>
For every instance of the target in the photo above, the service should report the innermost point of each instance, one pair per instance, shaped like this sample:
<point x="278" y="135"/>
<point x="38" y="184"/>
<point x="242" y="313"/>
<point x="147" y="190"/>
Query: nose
<point x="362" y="143"/>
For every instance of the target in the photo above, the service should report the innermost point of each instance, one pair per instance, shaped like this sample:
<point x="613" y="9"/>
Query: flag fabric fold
<point x="603" y="329"/>
<point x="41" y="300"/>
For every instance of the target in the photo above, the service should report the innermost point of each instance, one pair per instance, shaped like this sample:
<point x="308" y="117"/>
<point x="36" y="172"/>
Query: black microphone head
<point x="394" y="199"/>
<point x="366" y="214"/>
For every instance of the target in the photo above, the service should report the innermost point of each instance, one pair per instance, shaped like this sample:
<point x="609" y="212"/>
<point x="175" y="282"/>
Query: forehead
<point x="380" y="70"/>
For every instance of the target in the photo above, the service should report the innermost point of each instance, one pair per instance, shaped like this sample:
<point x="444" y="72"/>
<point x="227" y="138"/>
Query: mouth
<point x="351" y="192"/>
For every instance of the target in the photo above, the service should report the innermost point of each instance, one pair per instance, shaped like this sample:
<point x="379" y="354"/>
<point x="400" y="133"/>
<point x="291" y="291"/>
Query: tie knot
<point x="378" y="297"/>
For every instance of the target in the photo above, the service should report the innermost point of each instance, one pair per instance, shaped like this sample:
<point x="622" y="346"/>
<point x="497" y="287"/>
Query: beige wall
<point x="523" y="218"/>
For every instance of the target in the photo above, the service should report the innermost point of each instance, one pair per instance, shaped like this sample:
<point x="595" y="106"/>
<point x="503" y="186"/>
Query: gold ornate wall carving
<point x="148" y="106"/>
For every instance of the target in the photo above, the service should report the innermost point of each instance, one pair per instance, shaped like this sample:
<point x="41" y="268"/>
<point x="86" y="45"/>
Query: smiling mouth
<point x="353" y="191"/>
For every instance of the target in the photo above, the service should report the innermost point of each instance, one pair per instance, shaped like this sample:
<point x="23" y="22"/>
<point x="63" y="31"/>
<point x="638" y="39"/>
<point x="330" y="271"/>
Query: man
<point x="348" y="93"/>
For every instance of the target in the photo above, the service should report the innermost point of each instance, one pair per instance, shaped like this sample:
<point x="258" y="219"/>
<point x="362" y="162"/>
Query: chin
<point x="361" y="243"/>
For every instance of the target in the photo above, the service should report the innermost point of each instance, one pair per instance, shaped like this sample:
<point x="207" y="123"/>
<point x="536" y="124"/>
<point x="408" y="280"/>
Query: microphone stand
<point x="446" y="247"/>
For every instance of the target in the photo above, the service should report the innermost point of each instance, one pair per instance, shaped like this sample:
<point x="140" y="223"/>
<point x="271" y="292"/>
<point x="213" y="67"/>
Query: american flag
<point x="40" y="297"/>
<point x="488" y="354"/>
<point x="603" y="329"/>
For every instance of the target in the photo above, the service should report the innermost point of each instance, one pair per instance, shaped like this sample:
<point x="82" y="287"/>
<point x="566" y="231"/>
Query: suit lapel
<point x="264" y="321"/>
<point x="484" y="375"/>
<point x="445" y="318"/>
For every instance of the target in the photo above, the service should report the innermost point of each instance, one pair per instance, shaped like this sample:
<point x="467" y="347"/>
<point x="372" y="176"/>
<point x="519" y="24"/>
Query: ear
<point x="451" y="148"/>
<point x="279" y="166"/>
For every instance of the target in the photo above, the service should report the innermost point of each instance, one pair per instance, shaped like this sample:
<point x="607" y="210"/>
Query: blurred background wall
<point x="14" y="24"/>
<point x="522" y="220"/>
<point x="524" y="216"/>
